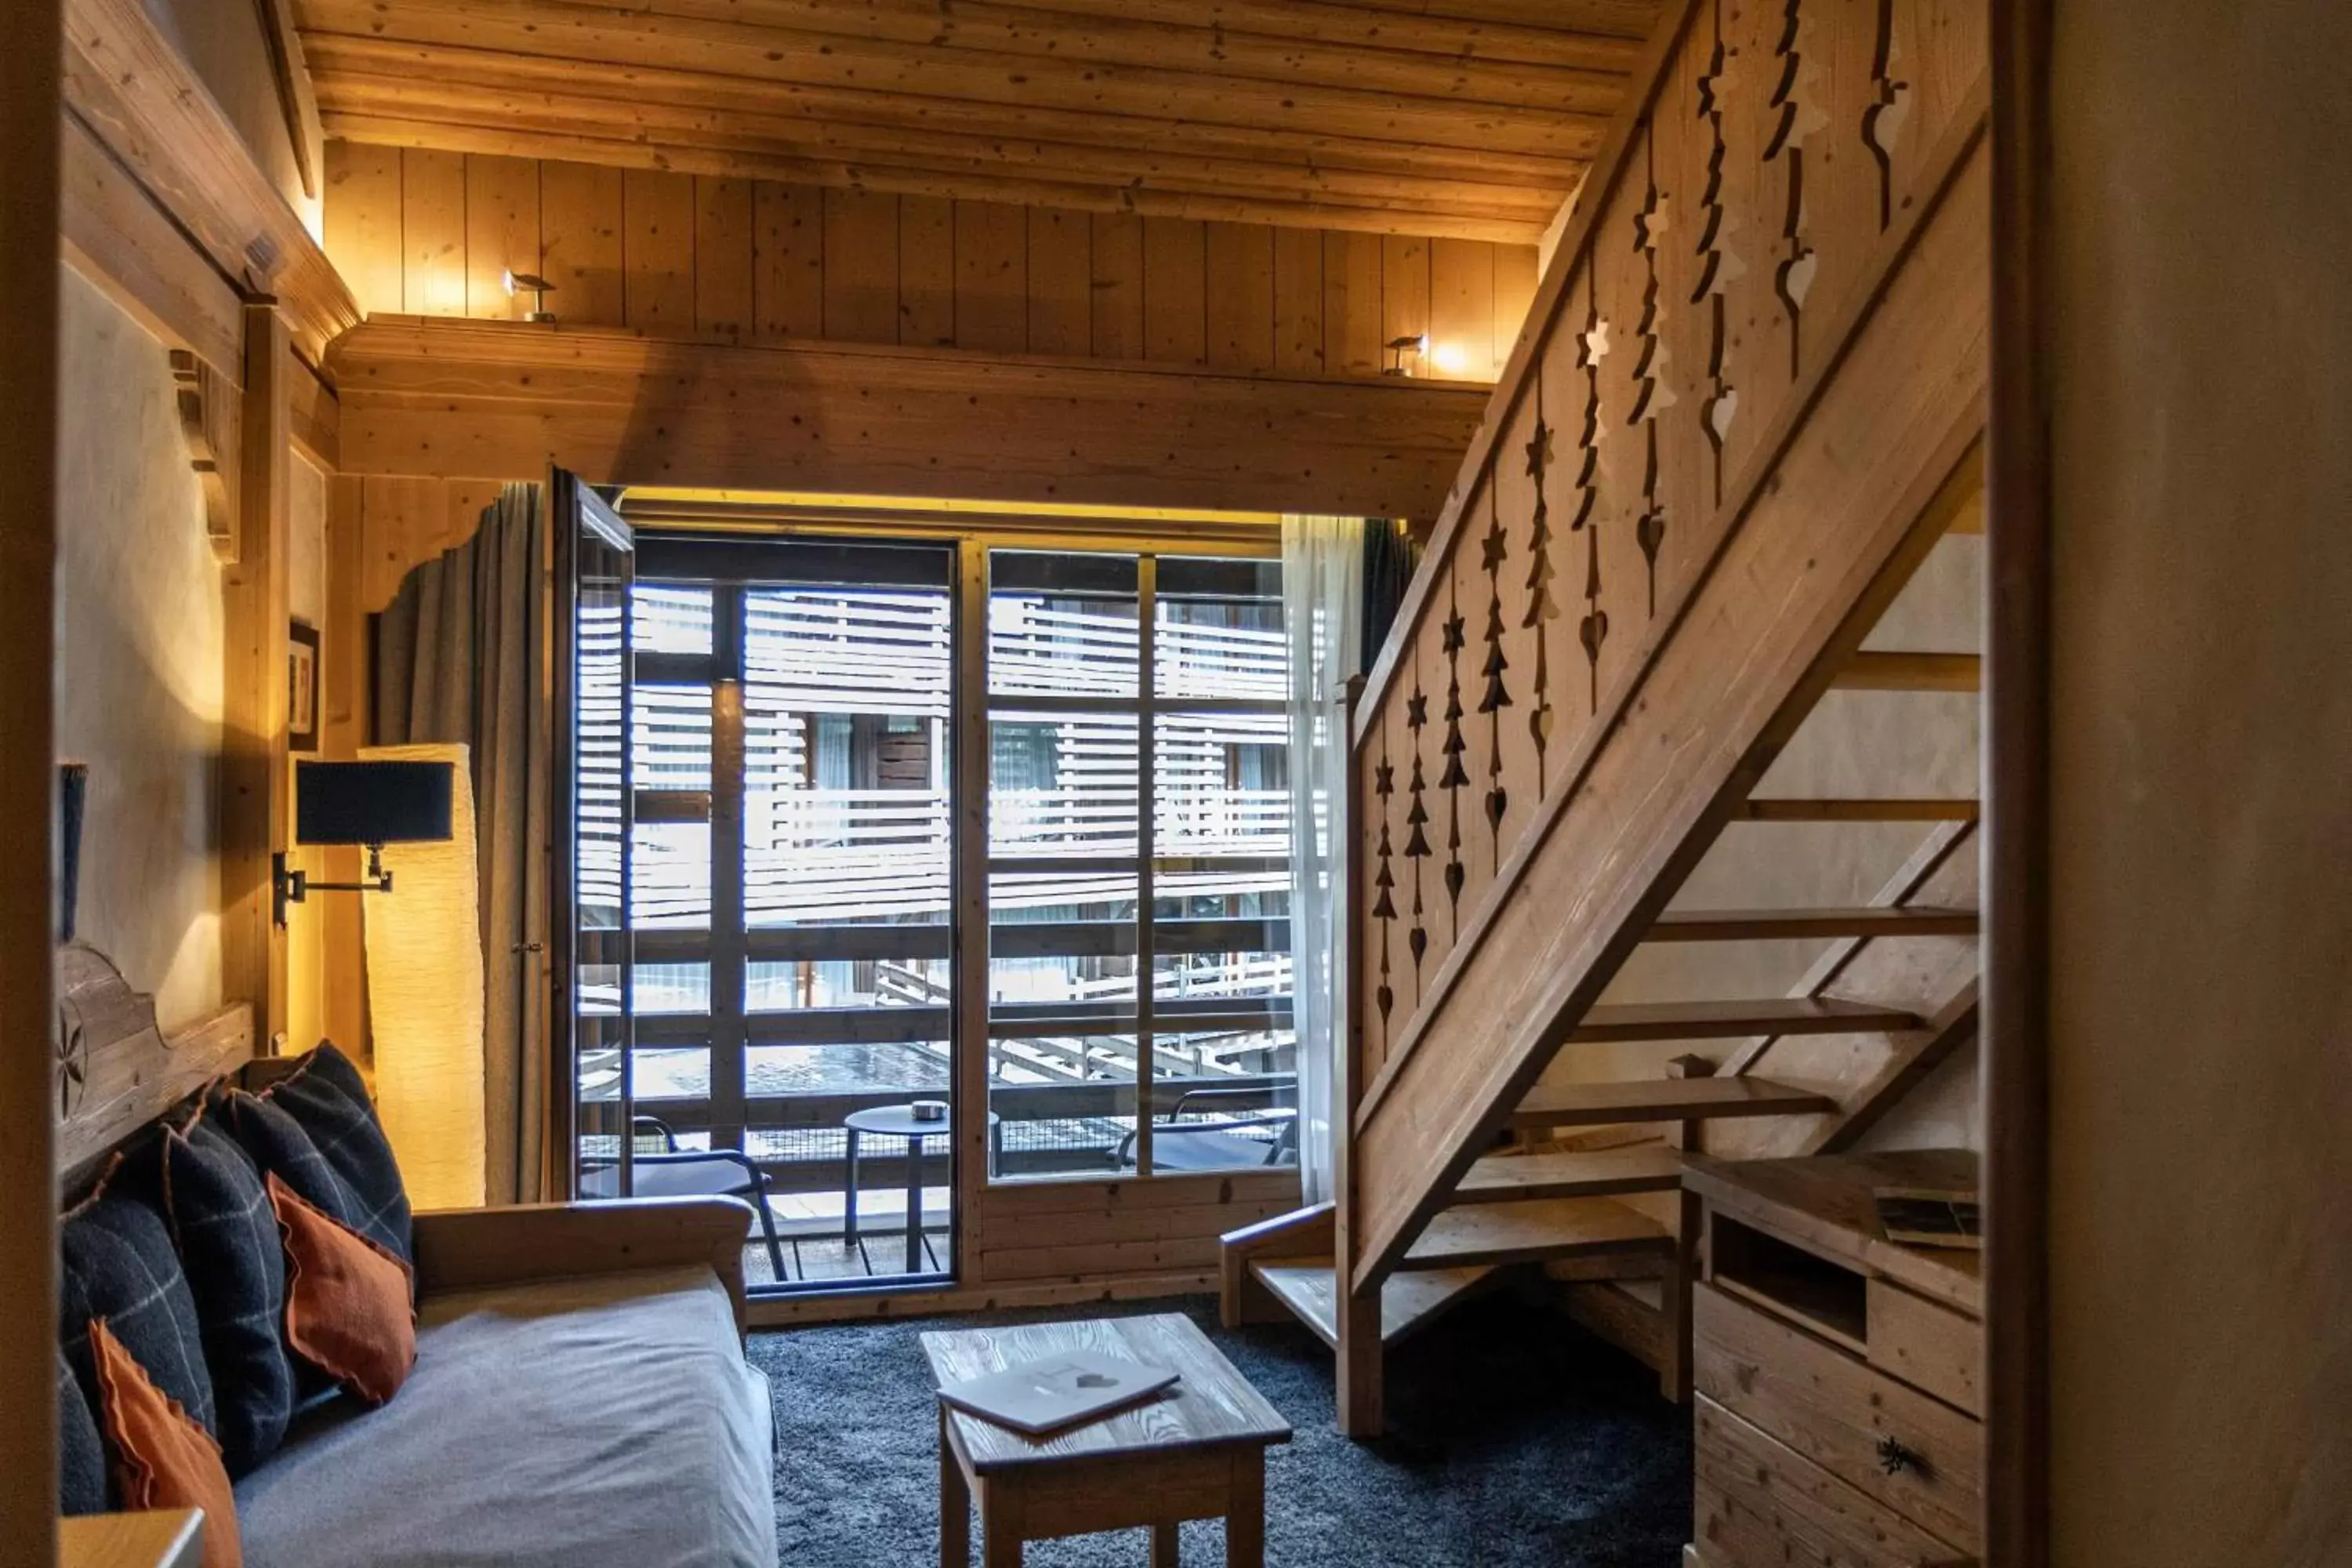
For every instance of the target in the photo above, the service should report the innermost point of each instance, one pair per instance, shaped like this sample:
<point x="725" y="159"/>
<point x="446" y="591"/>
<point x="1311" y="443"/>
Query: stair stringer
<point x="1807" y="553"/>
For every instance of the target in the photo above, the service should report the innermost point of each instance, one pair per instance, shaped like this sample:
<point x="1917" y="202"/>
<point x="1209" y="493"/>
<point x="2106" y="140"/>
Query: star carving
<point x="1384" y="777"/>
<point x="1416" y="710"/>
<point x="1595" y="342"/>
<point x="1492" y="549"/>
<point x="1453" y="638"/>
<point x="1539" y="449"/>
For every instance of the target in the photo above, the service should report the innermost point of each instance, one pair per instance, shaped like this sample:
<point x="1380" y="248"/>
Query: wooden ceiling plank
<point x="341" y="56"/>
<point x="1611" y="45"/>
<point x="537" y="27"/>
<point x="1284" y="59"/>
<point x="628" y="155"/>
<point x="1625" y="18"/>
<point x="690" y="125"/>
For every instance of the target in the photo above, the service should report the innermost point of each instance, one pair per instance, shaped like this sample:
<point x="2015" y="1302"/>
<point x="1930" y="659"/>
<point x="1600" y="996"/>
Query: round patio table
<point x="898" y="1121"/>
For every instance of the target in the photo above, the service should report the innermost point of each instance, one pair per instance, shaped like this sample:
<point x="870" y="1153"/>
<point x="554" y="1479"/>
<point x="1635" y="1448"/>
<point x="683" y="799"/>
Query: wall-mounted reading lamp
<point x="1413" y="343"/>
<point x="369" y="804"/>
<point x="518" y="281"/>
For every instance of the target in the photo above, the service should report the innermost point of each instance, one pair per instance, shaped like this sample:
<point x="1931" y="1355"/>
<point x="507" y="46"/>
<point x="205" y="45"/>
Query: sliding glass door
<point x="1138" y="826"/>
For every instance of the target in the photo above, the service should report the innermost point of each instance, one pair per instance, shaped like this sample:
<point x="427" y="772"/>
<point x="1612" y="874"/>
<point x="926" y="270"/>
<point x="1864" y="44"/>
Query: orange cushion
<point x="162" y="1459"/>
<point x="347" y="1309"/>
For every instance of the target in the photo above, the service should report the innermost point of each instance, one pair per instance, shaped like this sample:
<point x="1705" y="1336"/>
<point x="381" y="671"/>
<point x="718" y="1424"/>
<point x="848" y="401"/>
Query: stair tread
<point x="1571" y="1173"/>
<point x="1881" y="808"/>
<point x="1730" y="1020"/>
<point x="1532" y="1231"/>
<point x="1859" y="920"/>
<point x="1664" y="1099"/>
<point x="1409" y="1302"/>
<point x="1906" y="671"/>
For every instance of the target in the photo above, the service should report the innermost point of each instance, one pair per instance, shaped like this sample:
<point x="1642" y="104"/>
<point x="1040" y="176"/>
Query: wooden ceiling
<point x="1470" y="118"/>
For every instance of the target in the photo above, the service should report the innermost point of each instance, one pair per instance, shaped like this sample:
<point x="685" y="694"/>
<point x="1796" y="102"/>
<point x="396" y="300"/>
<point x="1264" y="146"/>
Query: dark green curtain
<point x="1389" y="560"/>
<point x="461" y="656"/>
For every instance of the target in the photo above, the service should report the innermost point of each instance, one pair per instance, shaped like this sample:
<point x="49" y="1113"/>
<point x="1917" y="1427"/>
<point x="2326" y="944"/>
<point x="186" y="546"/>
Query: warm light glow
<point x="924" y="503"/>
<point x="506" y="281"/>
<point x="1447" y="359"/>
<point x="425" y="1000"/>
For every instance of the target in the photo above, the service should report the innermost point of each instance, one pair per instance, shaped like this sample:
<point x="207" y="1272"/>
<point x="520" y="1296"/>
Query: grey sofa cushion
<point x="571" y="1424"/>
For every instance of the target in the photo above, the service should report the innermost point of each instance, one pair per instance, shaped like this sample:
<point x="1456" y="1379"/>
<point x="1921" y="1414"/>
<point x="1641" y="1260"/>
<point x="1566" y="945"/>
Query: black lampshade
<point x="371" y="803"/>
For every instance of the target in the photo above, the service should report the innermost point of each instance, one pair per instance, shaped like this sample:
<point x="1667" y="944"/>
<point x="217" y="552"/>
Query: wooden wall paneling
<point x="927" y="271"/>
<point x="723" y="264"/>
<point x="991" y="253"/>
<point x="1353" y="314"/>
<point x="403" y="515"/>
<point x="483" y="398"/>
<point x="1115" y="282"/>
<point x="253" y="721"/>
<point x="1461" y="310"/>
<point x="788" y="260"/>
<point x="580" y="216"/>
<point x="501" y="233"/>
<point x="1404" y="293"/>
<point x="1298" y="300"/>
<point x="361" y="218"/>
<point x="433" y="233"/>
<point x="861" y="267"/>
<point x="1514" y="290"/>
<point x="346" y="703"/>
<point x="1061" y="268"/>
<point x="314" y="419"/>
<point x="1175" y="281"/>
<point x="29" y="631"/>
<point x="657" y="250"/>
<point x="1240" y="295"/>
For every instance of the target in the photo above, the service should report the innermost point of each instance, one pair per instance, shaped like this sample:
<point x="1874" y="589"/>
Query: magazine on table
<point x="1057" y="1391"/>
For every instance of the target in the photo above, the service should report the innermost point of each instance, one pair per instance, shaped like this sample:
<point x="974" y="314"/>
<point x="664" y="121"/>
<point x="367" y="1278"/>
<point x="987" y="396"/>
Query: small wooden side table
<point x="1196" y="1452"/>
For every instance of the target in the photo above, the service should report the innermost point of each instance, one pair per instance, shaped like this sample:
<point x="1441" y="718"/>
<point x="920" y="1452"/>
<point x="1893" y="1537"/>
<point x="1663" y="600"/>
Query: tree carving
<point x="1890" y="106"/>
<point x="1797" y="114"/>
<point x="1540" y="607"/>
<point x="1719" y="264"/>
<point x="1593" y="346"/>
<point x="1652" y="395"/>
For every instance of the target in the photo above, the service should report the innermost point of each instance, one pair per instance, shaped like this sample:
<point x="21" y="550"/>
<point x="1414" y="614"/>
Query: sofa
<point x="579" y="1397"/>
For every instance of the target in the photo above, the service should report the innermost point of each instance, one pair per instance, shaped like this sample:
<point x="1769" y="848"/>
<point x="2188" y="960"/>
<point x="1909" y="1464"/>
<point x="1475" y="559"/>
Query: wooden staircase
<point x="1722" y="448"/>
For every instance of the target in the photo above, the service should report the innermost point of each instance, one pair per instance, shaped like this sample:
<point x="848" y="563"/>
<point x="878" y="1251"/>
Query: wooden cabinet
<point x="1835" y="1418"/>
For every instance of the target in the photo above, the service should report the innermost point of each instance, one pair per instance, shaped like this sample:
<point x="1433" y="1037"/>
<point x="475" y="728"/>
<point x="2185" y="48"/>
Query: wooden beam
<point x="144" y="103"/>
<point x="1777" y="808"/>
<point x="500" y="400"/>
<point x="28" y="634"/>
<point x="253" y="718"/>
<point x="1730" y="1020"/>
<point x="297" y="106"/>
<point x="114" y="234"/>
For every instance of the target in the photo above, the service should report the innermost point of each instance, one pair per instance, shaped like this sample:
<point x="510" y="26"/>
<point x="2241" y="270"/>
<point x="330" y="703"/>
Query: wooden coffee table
<point x="1196" y="1452"/>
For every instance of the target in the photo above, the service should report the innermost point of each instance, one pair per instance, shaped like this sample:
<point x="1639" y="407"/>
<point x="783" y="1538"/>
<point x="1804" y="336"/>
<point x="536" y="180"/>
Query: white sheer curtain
<point x="1322" y="603"/>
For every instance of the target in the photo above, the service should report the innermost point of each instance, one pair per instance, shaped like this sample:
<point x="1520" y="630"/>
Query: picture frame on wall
<point x="301" y="687"/>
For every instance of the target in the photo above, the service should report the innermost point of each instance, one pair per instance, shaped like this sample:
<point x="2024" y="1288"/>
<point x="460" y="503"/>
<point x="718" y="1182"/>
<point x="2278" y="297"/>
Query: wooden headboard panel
<point x="115" y="1070"/>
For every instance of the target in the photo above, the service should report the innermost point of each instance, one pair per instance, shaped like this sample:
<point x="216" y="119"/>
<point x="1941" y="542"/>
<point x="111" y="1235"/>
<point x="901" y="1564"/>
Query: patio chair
<point x="1214" y="1146"/>
<point x="671" y="1172"/>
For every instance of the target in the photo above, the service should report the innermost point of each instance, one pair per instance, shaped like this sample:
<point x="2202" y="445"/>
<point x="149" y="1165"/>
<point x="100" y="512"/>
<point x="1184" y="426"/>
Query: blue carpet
<point x="1514" y="1439"/>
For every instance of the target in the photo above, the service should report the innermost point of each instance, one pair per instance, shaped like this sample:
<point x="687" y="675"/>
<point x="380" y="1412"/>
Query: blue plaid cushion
<point x="81" y="1470"/>
<point x="116" y="1262"/>
<point x="317" y="1129"/>
<point x="211" y="1201"/>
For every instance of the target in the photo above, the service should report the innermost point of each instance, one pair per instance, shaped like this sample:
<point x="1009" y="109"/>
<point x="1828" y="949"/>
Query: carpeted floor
<point x="1514" y="1439"/>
